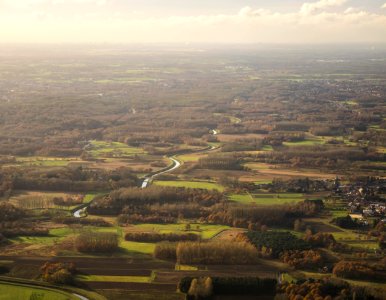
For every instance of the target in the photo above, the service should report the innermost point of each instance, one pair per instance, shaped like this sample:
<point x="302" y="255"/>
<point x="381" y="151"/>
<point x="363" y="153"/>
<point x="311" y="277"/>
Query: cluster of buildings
<point x="365" y="198"/>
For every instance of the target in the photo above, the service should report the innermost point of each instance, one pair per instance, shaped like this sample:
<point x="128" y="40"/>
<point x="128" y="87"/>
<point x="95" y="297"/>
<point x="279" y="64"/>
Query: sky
<point x="193" y="21"/>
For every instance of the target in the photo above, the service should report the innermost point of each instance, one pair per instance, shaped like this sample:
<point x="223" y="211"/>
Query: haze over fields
<point x="192" y="150"/>
<point x="172" y="21"/>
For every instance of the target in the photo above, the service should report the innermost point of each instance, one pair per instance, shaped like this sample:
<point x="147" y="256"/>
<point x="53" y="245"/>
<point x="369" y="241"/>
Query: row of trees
<point x="327" y="289"/>
<point x="278" y="216"/>
<point x="65" y="179"/>
<point x="212" y="252"/>
<point x="154" y="237"/>
<point x="322" y="156"/>
<point x="99" y="222"/>
<point x="358" y="270"/>
<point x="274" y="243"/>
<point x="205" y="287"/>
<point x="96" y="242"/>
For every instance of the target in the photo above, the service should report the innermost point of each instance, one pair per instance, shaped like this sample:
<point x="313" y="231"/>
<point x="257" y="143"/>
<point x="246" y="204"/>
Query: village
<point x="365" y="199"/>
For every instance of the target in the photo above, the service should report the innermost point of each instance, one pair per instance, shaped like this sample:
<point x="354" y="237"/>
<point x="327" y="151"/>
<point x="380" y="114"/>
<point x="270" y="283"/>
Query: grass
<point x="206" y="231"/>
<point x="119" y="294"/>
<point x="112" y="149"/>
<point x="104" y="278"/>
<point x="21" y="291"/>
<point x="267" y="199"/>
<point x="179" y="267"/>
<point x="262" y="181"/>
<point x="189" y="157"/>
<point x="44" y="161"/>
<point x="351" y="238"/>
<point x="90" y="196"/>
<point x="267" y="148"/>
<point x="257" y="166"/>
<point x="144" y="248"/>
<point x="338" y="213"/>
<point x="232" y="119"/>
<point x="54" y="236"/>
<point x="363" y="283"/>
<point x="306" y="142"/>
<point x="191" y="184"/>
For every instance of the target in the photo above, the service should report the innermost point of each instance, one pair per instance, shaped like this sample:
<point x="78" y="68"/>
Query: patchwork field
<point x="267" y="198"/>
<point x="191" y="184"/>
<point x="206" y="231"/>
<point x="112" y="149"/>
<point x="20" y="291"/>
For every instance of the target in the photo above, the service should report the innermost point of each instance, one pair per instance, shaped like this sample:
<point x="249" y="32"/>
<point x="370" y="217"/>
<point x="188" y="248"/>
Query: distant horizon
<point x="198" y="21"/>
<point x="182" y="44"/>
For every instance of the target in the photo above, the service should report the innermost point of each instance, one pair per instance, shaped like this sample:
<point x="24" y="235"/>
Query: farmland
<point x="191" y="184"/>
<point x="244" y="151"/>
<point x="267" y="199"/>
<point x="21" y="291"/>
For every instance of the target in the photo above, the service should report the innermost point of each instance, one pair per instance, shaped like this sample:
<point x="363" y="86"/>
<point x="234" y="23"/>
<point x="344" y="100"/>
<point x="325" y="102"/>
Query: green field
<point x="257" y="166"/>
<point x="189" y="157"/>
<point x="55" y="235"/>
<point x="90" y="196"/>
<point x="191" y="184"/>
<point x="306" y="142"/>
<point x="263" y="182"/>
<point x="112" y="149"/>
<point x="206" y="231"/>
<point x="266" y="198"/>
<point x="267" y="148"/>
<point x="136" y="247"/>
<point x="44" y="161"/>
<point x="104" y="278"/>
<point x="20" y="292"/>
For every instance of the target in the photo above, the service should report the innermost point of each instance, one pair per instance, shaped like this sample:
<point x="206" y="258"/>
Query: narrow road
<point x="80" y="297"/>
<point x="175" y="165"/>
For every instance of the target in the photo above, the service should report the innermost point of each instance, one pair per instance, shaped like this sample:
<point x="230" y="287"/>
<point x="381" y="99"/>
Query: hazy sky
<point x="185" y="21"/>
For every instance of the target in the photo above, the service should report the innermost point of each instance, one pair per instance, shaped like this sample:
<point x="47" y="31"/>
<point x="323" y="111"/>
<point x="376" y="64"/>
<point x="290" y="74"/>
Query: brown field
<point x="234" y="137"/>
<point x="25" y="195"/>
<point x="203" y="173"/>
<point x="228" y="235"/>
<point x="120" y="294"/>
<point x="320" y="226"/>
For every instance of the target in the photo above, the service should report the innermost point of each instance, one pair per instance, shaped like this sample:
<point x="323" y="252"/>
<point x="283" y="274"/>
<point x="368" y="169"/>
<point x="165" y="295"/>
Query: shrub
<point x="346" y="222"/>
<point x="315" y="289"/>
<point x="4" y="270"/>
<point x="58" y="273"/>
<point x="9" y="212"/>
<point x="354" y="270"/>
<point x="320" y="239"/>
<point x="307" y="259"/>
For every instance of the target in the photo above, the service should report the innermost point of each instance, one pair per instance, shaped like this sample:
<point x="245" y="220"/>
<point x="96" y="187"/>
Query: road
<point x="81" y="212"/>
<point x="176" y="164"/>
